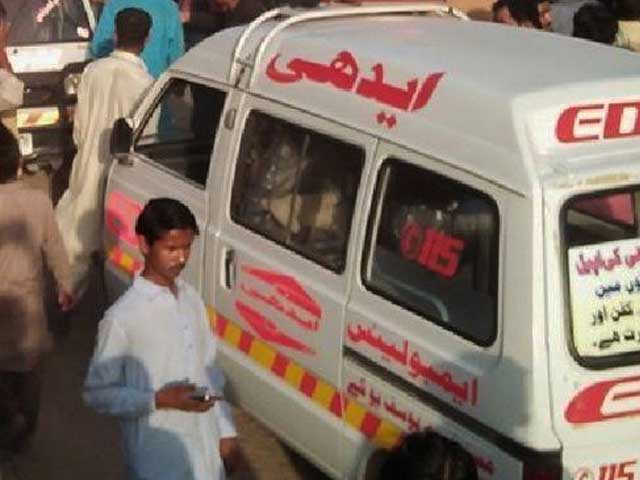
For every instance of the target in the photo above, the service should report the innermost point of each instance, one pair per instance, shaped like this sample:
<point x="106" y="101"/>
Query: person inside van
<point x="428" y="456"/>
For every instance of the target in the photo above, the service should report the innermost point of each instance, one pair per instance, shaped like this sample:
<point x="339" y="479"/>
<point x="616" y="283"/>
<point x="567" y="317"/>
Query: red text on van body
<point x="618" y="471"/>
<point x="343" y="73"/>
<point x="598" y="121"/>
<point x="267" y="294"/>
<point x="411" y="364"/>
<point x="431" y="248"/>
<point x="605" y="401"/>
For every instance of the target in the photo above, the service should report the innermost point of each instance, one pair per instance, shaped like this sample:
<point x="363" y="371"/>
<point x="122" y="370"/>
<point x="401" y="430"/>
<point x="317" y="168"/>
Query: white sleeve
<point x="104" y="387"/>
<point x="224" y="419"/>
<point x="11" y="90"/>
<point x="222" y="409"/>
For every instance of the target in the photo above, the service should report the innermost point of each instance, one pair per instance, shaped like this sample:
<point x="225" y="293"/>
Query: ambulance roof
<point x="482" y="96"/>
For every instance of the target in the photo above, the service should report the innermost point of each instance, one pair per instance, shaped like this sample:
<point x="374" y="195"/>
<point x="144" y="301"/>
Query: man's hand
<point x="179" y="397"/>
<point x="65" y="300"/>
<point x="231" y="454"/>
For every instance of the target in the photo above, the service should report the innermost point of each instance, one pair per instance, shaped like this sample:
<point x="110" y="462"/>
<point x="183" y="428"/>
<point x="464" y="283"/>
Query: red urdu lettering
<point x="569" y="120"/>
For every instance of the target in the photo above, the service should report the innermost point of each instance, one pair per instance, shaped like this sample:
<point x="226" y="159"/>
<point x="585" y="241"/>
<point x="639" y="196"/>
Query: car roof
<point x="487" y="81"/>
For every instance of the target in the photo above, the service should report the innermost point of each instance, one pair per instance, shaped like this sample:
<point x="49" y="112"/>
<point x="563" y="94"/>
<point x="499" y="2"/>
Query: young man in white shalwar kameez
<point x="109" y="89"/>
<point x="154" y="355"/>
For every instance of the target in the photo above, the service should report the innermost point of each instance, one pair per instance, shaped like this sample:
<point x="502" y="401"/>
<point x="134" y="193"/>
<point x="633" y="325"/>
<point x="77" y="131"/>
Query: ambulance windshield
<point x="46" y="21"/>
<point x="603" y="255"/>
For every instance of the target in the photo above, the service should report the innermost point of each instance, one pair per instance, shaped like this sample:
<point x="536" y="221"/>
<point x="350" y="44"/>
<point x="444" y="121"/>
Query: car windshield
<point x="603" y="260"/>
<point x="46" y="21"/>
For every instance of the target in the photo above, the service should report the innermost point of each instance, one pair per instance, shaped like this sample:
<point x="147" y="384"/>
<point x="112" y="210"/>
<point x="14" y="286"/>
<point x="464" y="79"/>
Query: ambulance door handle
<point x="229" y="268"/>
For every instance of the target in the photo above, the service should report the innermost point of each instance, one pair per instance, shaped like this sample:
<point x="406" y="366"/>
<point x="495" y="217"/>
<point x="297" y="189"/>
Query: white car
<point x="48" y="48"/>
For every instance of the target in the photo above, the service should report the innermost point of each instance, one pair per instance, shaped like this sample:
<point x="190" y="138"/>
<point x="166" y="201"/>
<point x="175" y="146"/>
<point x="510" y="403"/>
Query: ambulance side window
<point x="180" y="133"/>
<point x="433" y="248"/>
<point x="297" y="187"/>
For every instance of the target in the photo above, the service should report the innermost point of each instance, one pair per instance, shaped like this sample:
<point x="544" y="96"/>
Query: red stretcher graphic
<point x="288" y="288"/>
<point x="267" y="330"/>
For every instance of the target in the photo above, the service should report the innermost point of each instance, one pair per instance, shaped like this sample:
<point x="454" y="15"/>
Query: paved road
<point x="74" y="443"/>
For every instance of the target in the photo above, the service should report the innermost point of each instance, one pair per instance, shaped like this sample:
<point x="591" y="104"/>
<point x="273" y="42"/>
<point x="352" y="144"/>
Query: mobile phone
<point x="202" y="394"/>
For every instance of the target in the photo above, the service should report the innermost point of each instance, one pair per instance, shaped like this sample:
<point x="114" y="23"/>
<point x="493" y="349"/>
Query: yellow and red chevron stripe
<point x="123" y="261"/>
<point x="379" y="431"/>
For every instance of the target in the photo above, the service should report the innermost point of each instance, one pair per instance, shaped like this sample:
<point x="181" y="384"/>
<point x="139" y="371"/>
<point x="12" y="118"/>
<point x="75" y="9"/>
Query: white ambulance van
<point x="408" y="221"/>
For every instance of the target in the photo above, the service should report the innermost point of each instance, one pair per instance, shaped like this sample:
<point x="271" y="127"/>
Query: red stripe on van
<point x="336" y="405"/>
<point x="308" y="384"/>
<point x="381" y="432"/>
<point x="279" y="366"/>
<point x="370" y="424"/>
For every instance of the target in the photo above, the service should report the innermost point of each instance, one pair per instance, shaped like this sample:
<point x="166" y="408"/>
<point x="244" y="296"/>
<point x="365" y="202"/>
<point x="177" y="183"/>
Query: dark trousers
<point x="19" y="406"/>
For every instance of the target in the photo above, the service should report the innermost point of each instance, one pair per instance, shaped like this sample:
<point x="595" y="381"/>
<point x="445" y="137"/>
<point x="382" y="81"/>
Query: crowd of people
<point x="611" y="22"/>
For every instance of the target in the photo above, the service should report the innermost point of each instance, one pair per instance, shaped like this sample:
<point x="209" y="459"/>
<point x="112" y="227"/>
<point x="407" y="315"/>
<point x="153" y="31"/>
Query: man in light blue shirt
<point x="166" y="40"/>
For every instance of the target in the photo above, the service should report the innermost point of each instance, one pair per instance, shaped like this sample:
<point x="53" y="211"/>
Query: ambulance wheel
<point x="370" y="466"/>
<point x="421" y="455"/>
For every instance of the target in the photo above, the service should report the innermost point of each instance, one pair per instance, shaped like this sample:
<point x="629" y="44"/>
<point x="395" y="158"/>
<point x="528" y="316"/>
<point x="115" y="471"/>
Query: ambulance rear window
<point x="433" y="246"/>
<point x="603" y="264"/>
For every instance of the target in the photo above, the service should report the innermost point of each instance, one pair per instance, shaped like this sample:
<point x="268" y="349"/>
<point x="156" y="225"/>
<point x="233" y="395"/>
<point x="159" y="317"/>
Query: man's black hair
<point x="523" y="11"/>
<point x="497" y="6"/>
<point x="9" y="155"/>
<point x="132" y="28"/>
<point x="3" y="13"/>
<point x="429" y="456"/>
<point x="595" y="22"/>
<point x="160" y="215"/>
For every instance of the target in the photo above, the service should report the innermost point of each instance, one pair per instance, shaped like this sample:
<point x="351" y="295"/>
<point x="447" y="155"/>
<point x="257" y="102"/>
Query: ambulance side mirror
<point x="121" y="140"/>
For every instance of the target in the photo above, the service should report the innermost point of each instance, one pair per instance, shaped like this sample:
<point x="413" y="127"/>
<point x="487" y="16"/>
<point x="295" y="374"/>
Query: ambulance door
<point x="594" y="320"/>
<point x="421" y="324"/>
<point x="174" y="136"/>
<point x="282" y="271"/>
